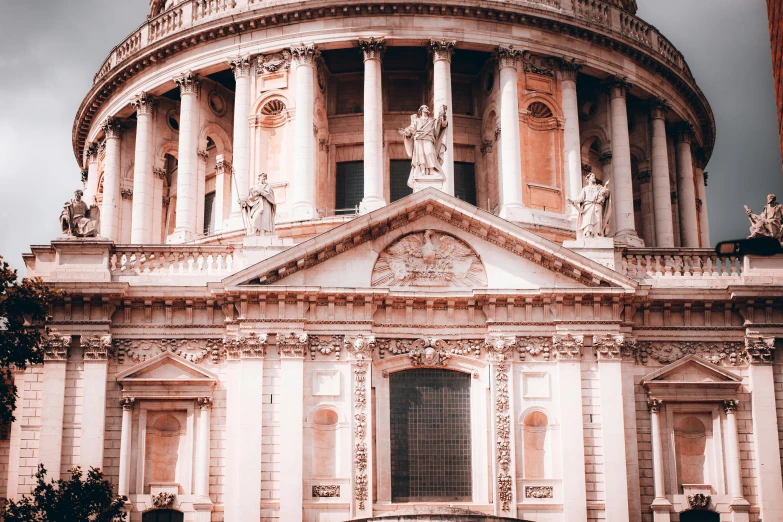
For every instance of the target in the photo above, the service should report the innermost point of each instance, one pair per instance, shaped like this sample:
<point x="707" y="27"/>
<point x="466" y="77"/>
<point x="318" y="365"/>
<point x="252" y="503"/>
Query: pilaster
<point x="500" y="357"/>
<point x="56" y="348"/>
<point x="292" y="347"/>
<point x="363" y="474"/>
<point x="96" y="363"/>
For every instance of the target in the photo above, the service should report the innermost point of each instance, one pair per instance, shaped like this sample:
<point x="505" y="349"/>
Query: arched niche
<point x="535" y="431"/>
<point x="164" y="448"/>
<point x="690" y="446"/>
<point x="325" y="443"/>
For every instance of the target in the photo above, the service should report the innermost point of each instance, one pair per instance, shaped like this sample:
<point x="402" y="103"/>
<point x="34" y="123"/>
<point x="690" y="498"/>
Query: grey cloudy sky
<point x="50" y="50"/>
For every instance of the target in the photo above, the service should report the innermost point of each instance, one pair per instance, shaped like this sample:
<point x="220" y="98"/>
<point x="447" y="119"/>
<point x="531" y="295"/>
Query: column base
<point x="371" y="203"/>
<point x="180" y="236"/>
<point x="516" y="212"/>
<point x="303" y="211"/>
<point x="420" y="184"/>
<point x="628" y="238"/>
<point x="740" y="509"/>
<point x="661" y="508"/>
<point x="203" y="510"/>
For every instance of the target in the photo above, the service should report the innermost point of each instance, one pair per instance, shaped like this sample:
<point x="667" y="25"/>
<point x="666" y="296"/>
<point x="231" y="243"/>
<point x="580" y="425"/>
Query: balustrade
<point x="635" y="28"/>
<point x="672" y="263"/>
<point x="168" y="260"/>
<point x="593" y="11"/>
<point x="207" y="8"/>
<point x="165" y="23"/>
<point x="129" y="46"/>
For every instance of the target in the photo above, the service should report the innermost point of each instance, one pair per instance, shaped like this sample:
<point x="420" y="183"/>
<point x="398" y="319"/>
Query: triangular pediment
<point x="692" y="378"/>
<point x="166" y="368"/>
<point x="361" y="253"/>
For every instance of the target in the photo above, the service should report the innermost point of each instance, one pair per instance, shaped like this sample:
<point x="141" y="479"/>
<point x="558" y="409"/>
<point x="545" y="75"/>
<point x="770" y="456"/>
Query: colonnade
<point x="693" y="224"/>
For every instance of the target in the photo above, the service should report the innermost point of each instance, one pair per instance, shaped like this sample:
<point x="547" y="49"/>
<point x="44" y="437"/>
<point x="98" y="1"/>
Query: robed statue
<point x="423" y="140"/>
<point x="79" y="220"/>
<point x="769" y="223"/>
<point x="259" y="208"/>
<point x="592" y="204"/>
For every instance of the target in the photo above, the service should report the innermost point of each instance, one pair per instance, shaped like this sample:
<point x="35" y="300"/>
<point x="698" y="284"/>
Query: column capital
<point x="605" y="158"/>
<point x="85" y="175"/>
<point x="373" y="48"/>
<point x="159" y="173"/>
<point x="55" y="346"/>
<point x="97" y="347"/>
<point x="644" y="176"/>
<point x="204" y="403"/>
<point x="586" y="169"/>
<point x="292" y="345"/>
<point x="91" y="152"/>
<point x="144" y="103"/>
<point x="221" y="165"/>
<point x="360" y="347"/>
<point x="112" y="128"/>
<point x="507" y="56"/>
<point x="442" y="49"/>
<point x="568" y="347"/>
<point x="654" y="405"/>
<point x="699" y="159"/>
<point x="126" y="194"/>
<point x="203" y="155"/>
<point x="759" y="350"/>
<point x="241" y="65"/>
<point x="618" y="86"/>
<point x="245" y="346"/>
<point x="730" y="406"/>
<point x="685" y="132"/>
<point x="569" y="68"/>
<point x="614" y="347"/>
<point x="189" y="83"/>
<point x="127" y="403"/>
<point x="658" y="108"/>
<point x="304" y="54"/>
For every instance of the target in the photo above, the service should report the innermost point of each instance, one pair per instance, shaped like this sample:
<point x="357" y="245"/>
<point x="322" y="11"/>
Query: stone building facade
<point x="775" y="14"/>
<point x="454" y="350"/>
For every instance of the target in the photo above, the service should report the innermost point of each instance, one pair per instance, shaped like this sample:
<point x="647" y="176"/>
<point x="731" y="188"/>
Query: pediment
<point x="690" y="375"/>
<point x="356" y="254"/>
<point x="166" y="368"/>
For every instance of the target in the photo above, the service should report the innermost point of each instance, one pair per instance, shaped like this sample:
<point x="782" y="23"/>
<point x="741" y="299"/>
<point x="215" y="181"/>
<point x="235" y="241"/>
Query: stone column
<point x="53" y="400"/>
<point x="244" y="426"/>
<point x="303" y="187"/>
<point x="511" y="205"/>
<point x="686" y="190"/>
<point x="361" y="351"/>
<point x="112" y="199"/>
<point x="622" y="185"/>
<point x="503" y="464"/>
<point x="373" y="50"/>
<point x="769" y="485"/>
<point x="91" y="160"/>
<point x="664" y="232"/>
<point x="96" y="363"/>
<point x="609" y="350"/>
<point x="739" y="506"/>
<point x="647" y="207"/>
<point x="442" y="51"/>
<point x="568" y="349"/>
<point x="123" y="487"/>
<point x="202" y="448"/>
<point x="569" y="70"/>
<point x="660" y="504"/>
<point x="292" y="352"/>
<point x="187" y="175"/>
<point x="699" y="162"/>
<point x="242" y="67"/>
<point x="143" y="180"/>
<point x="223" y="188"/>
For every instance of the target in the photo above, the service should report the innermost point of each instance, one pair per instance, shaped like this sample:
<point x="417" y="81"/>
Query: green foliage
<point x="24" y="306"/>
<point x="72" y="500"/>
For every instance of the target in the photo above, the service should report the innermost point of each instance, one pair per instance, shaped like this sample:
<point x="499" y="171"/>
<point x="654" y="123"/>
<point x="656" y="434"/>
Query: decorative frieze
<point x="615" y="347"/>
<point x="292" y="344"/>
<point x="144" y="103"/>
<point x="326" y="491"/>
<point x="250" y="346"/>
<point x="539" y="492"/>
<point x="568" y="347"/>
<point x="55" y="346"/>
<point x="759" y="349"/>
<point x="193" y="350"/>
<point x="273" y="63"/>
<point x="725" y="353"/>
<point x="304" y="54"/>
<point x="540" y="65"/>
<point x="188" y="83"/>
<point x="241" y="65"/>
<point x="373" y="48"/>
<point x="96" y="347"/>
<point x="535" y="348"/>
<point x="326" y="345"/>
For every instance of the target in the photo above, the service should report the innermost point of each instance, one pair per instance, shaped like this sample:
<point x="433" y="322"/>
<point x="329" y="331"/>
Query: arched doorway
<point x="162" y="515"/>
<point x="699" y="516"/>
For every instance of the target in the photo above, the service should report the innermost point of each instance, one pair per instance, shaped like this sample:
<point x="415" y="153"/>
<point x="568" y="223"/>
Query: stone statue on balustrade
<point x="79" y="220"/>
<point x="769" y="223"/>
<point x="423" y="140"/>
<point x="592" y="204"/>
<point x="259" y="208"/>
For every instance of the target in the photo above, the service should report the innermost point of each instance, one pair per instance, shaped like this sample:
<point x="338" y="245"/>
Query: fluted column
<point x="143" y="180"/>
<point x="660" y="504"/>
<point x="622" y="185"/>
<point x="202" y="447"/>
<point x="373" y="50"/>
<point x="304" y="142"/>
<point x="686" y="190"/>
<point x="187" y="175"/>
<point x="571" y="142"/>
<point x="511" y="205"/>
<point x="442" y="52"/>
<point x="240" y="186"/>
<point x="112" y="199"/>
<point x="699" y="162"/>
<point x="123" y="487"/>
<point x="91" y="163"/>
<point x="662" y="204"/>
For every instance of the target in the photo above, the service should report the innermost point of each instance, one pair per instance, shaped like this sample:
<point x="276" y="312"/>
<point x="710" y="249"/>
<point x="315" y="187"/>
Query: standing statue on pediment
<point x="259" y="208"/>
<point x="769" y="223"/>
<point x="592" y="204"/>
<point x="423" y="140"/>
<point x="79" y="220"/>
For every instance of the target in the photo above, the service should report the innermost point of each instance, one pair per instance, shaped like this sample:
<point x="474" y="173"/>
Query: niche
<point x="164" y="448"/>
<point x="325" y="444"/>
<point x="535" y="442"/>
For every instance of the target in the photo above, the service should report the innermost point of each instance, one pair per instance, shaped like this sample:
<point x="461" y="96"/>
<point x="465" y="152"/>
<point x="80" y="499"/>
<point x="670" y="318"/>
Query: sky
<point x="50" y="50"/>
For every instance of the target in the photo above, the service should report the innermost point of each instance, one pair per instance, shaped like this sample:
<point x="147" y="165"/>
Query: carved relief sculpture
<point x="78" y="220"/>
<point x="423" y="140"/>
<point x="429" y="259"/>
<point x="769" y="223"/>
<point x="592" y="204"/>
<point x="259" y="208"/>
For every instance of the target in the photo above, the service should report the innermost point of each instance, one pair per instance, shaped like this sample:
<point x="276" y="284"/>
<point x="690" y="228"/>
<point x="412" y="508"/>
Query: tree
<point x="73" y="500"/>
<point x="24" y="307"/>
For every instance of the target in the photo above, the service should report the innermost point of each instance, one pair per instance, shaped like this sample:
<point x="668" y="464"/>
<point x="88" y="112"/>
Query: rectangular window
<point x="400" y="171"/>
<point x="465" y="181"/>
<point x="209" y="213"/>
<point x="430" y="436"/>
<point x="350" y="186"/>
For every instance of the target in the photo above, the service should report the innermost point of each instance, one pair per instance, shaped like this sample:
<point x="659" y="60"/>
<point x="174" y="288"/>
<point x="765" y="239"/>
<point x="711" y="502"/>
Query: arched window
<point x="162" y="515"/>
<point x="539" y="111"/>
<point x="690" y="439"/>
<point x="325" y="444"/>
<point x="534" y="452"/>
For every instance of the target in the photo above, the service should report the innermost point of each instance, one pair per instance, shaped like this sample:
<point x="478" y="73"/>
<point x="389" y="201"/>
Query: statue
<point x="592" y="204"/>
<point x="424" y="144"/>
<point x="79" y="221"/>
<point x="769" y="223"/>
<point x="258" y="209"/>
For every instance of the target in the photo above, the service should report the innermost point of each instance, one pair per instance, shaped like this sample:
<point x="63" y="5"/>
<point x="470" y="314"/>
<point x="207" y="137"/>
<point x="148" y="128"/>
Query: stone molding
<point x="112" y="128"/>
<point x="144" y="103"/>
<point x="610" y="347"/>
<point x="373" y="48"/>
<point x="188" y="83"/>
<point x="55" y="346"/>
<point x="618" y="86"/>
<point x="293" y="344"/>
<point x="304" y="54"/>
<point x="97" y="347"/>
<point x="442" y="49"/>
<point x="568" y="347"/>
<point x="507" y="56"/>
<point x="241" y="65"/>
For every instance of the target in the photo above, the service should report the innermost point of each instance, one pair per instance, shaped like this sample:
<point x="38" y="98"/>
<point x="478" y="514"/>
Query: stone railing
<point x="189" y="13"/>
<point x="172" y="261"/>
<point x="659" y="263"/>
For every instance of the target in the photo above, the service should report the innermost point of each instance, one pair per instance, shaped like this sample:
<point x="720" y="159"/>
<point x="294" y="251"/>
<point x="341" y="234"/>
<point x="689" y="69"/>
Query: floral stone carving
<point x="429" y="258"/>
<point x="163" y="500"/>
<point x="328" y="491"/>
<point x="699" y="501"/>
<point x="429" y="352"/>
<point x="193" y="350"/>
<point x="539" y="492"/>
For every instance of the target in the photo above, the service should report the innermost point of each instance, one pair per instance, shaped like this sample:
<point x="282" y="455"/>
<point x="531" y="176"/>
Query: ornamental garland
<point x="360" y="434"/>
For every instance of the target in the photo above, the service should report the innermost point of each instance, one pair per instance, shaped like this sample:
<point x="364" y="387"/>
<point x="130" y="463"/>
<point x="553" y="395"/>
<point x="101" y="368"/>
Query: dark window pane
<point x="209" y="213"/>
<point x="430" y="436"/>
<point x="465" y="182"/>
<point x="398" y="179"/>
<point x="350" y="186"/>
<point x="162" y="515"/>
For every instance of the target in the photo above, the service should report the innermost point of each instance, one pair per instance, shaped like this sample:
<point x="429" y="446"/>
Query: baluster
<point x="709" y="266"/>
<point x="734" y="263"/>
<point x="687" y="266"/>
<point x="198" y="260"/>
<point x="229" y="262"/>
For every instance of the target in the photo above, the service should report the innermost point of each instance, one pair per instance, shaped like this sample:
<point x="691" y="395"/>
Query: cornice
<point x="111" y="79"/>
